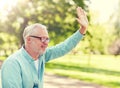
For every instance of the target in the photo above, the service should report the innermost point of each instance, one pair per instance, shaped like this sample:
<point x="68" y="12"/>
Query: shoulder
<point x="11" y="60"/>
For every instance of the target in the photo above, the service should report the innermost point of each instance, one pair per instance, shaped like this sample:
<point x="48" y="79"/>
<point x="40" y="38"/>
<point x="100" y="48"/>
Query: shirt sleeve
<point x="10" y="75"/>
<point x="64" y="47"/>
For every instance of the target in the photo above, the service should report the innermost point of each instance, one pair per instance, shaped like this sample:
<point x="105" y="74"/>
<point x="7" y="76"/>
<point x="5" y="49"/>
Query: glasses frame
<point x="42" y="39"/>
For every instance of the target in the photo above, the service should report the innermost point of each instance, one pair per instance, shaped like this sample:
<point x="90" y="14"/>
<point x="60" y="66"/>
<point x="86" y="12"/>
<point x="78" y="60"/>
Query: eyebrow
<point x="38" y="36"/>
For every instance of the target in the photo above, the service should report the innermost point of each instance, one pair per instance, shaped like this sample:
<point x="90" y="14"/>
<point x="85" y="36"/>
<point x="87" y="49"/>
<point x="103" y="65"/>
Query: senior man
<point x="25" y="68"/>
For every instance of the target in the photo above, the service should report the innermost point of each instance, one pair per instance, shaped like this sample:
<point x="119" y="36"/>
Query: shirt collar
<point x="26" y="54"/>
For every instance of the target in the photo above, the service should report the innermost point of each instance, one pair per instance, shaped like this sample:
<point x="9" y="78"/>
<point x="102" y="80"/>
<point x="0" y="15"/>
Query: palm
<point x="82" y="18"/>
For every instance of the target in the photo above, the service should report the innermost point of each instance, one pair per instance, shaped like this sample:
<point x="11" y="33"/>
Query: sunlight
<point x="5" y="7"/>
<point x="104" y="8"/>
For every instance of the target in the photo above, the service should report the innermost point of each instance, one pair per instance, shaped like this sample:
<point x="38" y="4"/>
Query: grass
<point x="99" y="69"/>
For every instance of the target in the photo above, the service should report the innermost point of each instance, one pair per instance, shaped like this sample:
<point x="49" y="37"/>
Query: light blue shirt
<point x="19" y="71"/>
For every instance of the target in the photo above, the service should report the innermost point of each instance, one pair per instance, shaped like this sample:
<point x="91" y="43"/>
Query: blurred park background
<point x="95" y="59"/>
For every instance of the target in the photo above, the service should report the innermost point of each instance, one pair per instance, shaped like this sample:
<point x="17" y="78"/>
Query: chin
<point x="42" y="52"/>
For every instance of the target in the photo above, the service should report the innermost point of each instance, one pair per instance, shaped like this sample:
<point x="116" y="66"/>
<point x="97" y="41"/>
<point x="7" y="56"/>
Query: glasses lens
<point x="45" y="39"/>
<point x="42" y="39"/>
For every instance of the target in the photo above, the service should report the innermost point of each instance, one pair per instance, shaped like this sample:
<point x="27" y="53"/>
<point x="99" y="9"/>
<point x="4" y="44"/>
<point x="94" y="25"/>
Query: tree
<point x="57" y="15"/>
<point x="117" y="22"/>
<point x="114" y="47"/>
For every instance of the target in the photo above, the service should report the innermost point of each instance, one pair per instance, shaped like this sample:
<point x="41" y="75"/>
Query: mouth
<point x="43" y="47"/>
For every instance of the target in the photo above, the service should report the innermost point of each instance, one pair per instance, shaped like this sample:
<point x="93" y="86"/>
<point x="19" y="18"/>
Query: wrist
<point x="82" y="30"/>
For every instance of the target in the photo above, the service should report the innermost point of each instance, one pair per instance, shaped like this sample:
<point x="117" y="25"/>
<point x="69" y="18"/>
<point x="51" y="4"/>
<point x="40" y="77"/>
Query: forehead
<point x="41" y="32"/>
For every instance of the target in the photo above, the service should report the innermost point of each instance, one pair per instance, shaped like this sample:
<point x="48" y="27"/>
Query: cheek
<point x="36" y="45"/>
<point x="39" y="46"/>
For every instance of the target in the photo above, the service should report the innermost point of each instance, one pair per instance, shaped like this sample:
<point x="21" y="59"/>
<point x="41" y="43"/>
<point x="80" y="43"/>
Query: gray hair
<point x="29" y="30"/>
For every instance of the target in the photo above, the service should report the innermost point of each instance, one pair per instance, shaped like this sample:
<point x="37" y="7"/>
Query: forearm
<point x="64" y="47"/>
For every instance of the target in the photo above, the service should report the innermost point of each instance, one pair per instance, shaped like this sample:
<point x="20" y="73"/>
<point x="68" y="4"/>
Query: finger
<point x="79" y="21"/>
<point x="82" y="22"/>
<point x="80" y="12"/>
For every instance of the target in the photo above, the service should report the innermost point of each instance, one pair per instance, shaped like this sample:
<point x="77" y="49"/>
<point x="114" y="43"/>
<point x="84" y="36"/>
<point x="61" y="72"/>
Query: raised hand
<point x="82" y="19"/>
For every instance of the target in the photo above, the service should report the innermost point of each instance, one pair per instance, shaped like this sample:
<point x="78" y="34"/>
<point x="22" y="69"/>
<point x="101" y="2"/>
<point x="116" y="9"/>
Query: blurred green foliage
<point x="97" y="40"/>
<point x="59" y="16"/>
<point x="8" y="44"/>
<point x="117" y="21"/>
<point x="115" y="45"/>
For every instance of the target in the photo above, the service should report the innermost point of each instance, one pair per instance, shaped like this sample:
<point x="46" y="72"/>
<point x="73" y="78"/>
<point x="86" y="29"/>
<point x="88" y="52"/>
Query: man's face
<point x="40" y="40"/>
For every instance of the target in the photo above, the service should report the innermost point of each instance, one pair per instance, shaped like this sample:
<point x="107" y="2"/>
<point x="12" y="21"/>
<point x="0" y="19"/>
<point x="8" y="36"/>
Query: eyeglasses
<point x="42" y="39"/>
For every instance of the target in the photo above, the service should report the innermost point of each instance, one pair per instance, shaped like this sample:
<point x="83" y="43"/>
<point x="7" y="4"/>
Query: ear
<point x="28" y="39"/>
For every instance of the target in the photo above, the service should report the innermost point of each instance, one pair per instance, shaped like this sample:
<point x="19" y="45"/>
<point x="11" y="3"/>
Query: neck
<point x="33" y="54"/>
